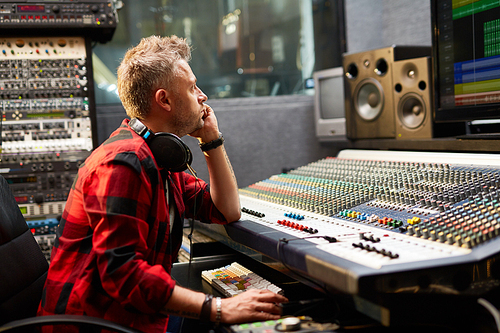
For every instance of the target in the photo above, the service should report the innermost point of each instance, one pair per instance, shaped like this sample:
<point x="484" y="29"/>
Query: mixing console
<point x="369" y="222"/>
<point x="47" y="123"/>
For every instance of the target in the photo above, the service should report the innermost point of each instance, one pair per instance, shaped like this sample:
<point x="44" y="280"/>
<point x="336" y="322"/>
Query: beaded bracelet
<point x="218" y="316"/>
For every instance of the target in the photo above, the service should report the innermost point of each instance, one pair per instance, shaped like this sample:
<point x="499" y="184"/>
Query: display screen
<point x="30" y="8"/>
<point x="331" y="90"/>
<point x="22" y="199"/>
<point x="24" y="210"/>
<point x="21" y="180"/>
<point x="467" y="59"/>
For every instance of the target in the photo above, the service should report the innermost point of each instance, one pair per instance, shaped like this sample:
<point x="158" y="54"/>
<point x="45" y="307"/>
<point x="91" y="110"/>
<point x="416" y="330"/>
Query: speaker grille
<point x="369" y="99"/>
<point x="411" y="111"/>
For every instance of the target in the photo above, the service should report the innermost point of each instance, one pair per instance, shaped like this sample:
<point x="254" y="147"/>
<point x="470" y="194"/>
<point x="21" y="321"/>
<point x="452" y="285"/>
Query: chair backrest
<point x="23" y="267"/>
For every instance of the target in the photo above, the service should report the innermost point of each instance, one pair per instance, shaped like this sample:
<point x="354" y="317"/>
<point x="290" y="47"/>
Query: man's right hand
<point x="252" y="305"/>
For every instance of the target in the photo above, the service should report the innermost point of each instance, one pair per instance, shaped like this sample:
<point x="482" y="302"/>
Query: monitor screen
<point x="466" y="64"/>
<point x="329" y="105"/>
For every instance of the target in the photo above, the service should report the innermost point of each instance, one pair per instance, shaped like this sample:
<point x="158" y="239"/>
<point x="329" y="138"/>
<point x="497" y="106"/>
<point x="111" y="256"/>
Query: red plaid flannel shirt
<point x="113" y="252"/>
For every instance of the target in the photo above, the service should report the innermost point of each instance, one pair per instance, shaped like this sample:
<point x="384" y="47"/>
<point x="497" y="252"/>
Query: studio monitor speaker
<point x="412" y="98"/>
<point x="368" y="90"/>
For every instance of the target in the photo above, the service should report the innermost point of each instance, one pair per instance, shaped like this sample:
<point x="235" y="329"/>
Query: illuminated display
<point x="24" y="210"/>
<point x="22" y="180"/>
<point x="31" y="8"/>
<point x="22" y="199"/>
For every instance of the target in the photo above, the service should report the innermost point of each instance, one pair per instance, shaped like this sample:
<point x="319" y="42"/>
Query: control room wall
<point x="373" y="24"/>
<point x="264" y="135"/>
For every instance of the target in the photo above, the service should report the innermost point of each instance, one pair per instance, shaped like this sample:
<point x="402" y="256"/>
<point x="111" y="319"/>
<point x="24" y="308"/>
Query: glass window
<point x="240" y="47"/>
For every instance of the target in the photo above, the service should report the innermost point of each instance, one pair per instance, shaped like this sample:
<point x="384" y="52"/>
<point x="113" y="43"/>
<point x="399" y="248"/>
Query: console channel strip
<point x="382" y="222"/>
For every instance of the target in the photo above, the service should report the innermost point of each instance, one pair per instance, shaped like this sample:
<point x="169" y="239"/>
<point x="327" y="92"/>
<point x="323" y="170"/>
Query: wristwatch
<point x="212" y="144"/>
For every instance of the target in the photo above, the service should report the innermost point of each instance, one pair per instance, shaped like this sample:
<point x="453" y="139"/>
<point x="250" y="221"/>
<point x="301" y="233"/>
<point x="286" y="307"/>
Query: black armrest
<point x="81" y="321"/>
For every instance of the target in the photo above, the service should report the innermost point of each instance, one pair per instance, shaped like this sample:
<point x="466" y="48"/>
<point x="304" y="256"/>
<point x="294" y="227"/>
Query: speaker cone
<point x="411" y="111"/>
<point x="369" y="99"/>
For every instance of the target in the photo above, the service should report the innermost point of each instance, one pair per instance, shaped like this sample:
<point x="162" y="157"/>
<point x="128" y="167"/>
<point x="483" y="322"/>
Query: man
<point x="122" y="225"/>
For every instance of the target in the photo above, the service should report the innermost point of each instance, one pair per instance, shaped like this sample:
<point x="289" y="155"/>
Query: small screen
<point x="331" y="96"/>
<point x="24" y="210"/>
<point x="21" y="180"/>
<point x="22" y="199"/>
<point x="30" y="8"/>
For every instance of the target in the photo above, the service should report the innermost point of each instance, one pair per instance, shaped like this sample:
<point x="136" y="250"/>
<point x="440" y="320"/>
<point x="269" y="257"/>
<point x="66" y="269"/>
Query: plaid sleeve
<point x="199" y="202"/>
<point x="117" y="200"/>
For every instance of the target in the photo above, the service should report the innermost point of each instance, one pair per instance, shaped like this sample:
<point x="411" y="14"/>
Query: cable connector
<point x="284" y="240"/>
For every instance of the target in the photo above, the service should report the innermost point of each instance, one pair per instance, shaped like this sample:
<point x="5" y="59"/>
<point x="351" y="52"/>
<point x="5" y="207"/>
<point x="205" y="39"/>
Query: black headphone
<point x="169" y="151"/>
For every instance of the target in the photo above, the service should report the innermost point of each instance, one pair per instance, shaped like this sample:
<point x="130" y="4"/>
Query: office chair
<point x="23" y="270"/>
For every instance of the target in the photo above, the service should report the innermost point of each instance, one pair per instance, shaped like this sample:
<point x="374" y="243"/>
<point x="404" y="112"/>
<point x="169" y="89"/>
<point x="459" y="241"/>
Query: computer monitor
<point x="329" y="109"/>
<point x="466" y="59"/>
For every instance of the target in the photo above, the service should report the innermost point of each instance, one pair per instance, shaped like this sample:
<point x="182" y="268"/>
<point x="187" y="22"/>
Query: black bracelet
<point x="206" y="308"/>
<point x="212" y="144"/>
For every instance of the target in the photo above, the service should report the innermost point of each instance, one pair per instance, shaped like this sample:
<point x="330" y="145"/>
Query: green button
<point x="244" y="326"/>
<point x="258" y="324"/>
<point x="270" y="323"/>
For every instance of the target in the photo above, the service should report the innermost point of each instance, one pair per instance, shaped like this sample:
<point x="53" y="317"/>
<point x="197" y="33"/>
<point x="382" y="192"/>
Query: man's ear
<point x="162" y="98"/>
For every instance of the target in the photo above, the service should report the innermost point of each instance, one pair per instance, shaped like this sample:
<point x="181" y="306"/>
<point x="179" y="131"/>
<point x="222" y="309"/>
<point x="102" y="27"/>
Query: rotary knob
<point x="290" y="324"/>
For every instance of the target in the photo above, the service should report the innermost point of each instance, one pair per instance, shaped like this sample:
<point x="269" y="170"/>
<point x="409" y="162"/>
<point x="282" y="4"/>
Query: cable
<point x="190" y="236"/>
<point x="195" y="211"/>
<point x="285" y="240"/>
<point x="492" y="309"/>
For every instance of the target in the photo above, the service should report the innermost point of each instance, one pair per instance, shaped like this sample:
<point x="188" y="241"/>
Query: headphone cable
<point x="190" y="236"/>
<point x="281" y="258"/>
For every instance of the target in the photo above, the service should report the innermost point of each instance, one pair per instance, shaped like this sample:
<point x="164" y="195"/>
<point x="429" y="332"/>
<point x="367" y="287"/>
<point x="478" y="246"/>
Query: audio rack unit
<point x="47" y="125"/>
<point x="45" y="234"/>
<point x="39" y="179"/>
<point x="96" y="19"/>
<point x="47" y="135"/>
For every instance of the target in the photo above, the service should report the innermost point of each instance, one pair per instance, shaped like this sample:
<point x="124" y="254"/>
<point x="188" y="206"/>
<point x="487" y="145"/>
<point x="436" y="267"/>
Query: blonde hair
<point x="146" y="67"/>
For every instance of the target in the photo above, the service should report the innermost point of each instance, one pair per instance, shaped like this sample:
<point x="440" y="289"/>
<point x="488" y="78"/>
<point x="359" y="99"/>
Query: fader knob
<point x="38" y="198"/>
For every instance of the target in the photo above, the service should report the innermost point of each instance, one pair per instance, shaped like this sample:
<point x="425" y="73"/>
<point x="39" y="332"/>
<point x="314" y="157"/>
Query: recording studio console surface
<point x="370" y="223"/>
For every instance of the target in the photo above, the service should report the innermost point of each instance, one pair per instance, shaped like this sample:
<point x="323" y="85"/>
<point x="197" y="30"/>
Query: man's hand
<point x="210" y="129"/>
<point x="252" y="305"/>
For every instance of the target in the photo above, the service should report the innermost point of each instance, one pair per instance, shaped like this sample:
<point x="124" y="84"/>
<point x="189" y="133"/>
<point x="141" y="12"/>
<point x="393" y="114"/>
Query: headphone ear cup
<point x="170" y="152"/>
